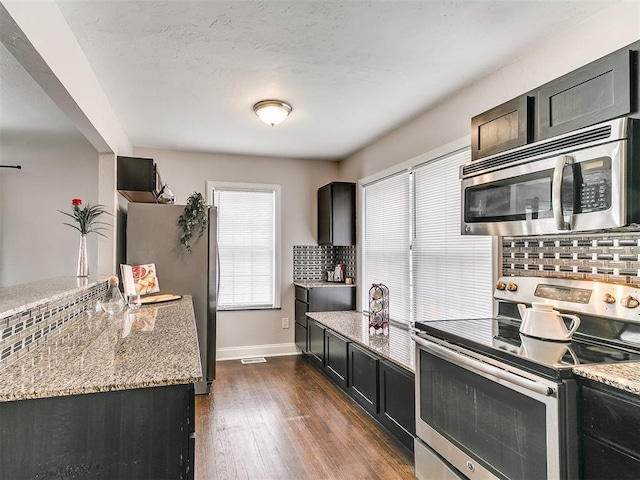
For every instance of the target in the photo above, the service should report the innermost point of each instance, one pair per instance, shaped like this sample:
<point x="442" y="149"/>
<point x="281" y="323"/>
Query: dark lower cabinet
<point x="315" y="342"/>
<point x="336" y="360"/>
<point x="398" y="402"/>
<point x="363" y="378"/>
<point x="133" y="434"/>
<point x="301" y="336"/>
<point x="610" y="433"/>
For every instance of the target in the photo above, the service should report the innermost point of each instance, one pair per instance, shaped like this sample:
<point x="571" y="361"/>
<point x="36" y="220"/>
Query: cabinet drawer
<point x="504" y="127"/>
<point x="302" y="294"/>
<point x="328" y="299"/>
<point x="612" y="418"/>
<point x="594" y="93"/>
<point x="601" y="461"/>
<point x="301" y="310"/>
<point x="315" y="342"/>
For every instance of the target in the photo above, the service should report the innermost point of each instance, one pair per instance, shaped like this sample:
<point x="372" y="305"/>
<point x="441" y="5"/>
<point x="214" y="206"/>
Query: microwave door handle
<point x="556" y="193"/>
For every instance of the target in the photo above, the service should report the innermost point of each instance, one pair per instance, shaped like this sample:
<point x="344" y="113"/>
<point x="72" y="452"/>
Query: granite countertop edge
<point x="623" y="376"/>
<point x="321" y="284"/>
<point x="344" y="323"/>
<point x="167" y="355"/>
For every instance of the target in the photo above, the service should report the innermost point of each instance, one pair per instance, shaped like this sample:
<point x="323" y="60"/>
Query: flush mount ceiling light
<point x="272" y="112"/>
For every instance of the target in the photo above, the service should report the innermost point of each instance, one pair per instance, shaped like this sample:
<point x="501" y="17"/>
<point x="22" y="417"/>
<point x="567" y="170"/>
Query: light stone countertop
<point x="19" y="298"/>
<point x="98" y="353"/>
<point x="319" y="283"/>
<point x="623" y="376"/>
<point x="396" y="347"/>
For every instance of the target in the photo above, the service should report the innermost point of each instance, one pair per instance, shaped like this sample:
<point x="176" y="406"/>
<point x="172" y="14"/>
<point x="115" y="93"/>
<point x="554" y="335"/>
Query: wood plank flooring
<point x="284" y="420"/>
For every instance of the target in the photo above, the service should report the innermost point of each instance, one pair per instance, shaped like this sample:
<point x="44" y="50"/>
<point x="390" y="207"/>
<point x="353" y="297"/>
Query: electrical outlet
<point x="285" y="322"/>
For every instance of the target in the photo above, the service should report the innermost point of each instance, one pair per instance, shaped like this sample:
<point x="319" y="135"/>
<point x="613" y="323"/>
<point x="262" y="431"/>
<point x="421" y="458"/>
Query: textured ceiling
<point x="185" y="74"/>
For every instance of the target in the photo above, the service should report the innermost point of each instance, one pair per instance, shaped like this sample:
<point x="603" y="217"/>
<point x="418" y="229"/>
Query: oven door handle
<point x="556" y="194"/>
<point x="483" y="368"/>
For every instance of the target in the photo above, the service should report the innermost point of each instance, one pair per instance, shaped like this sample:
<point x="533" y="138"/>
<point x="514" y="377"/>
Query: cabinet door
<point x="325" y="220"/>
<point x="594" y="93"/>
<point x="336" y="358"/>
<point x="329" y="299"/>
<point x="315" y="333"/>
<point x="398" y="402"/>
<point x="363" y="378"/>
<point x="337" y="214"/>
<point x="506" y="126"/>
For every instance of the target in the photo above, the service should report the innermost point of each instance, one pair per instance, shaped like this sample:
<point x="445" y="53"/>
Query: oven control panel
<point x="595" y="298"/>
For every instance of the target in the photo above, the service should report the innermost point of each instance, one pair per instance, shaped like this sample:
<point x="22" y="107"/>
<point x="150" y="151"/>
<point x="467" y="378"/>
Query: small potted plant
<point x="193" y="219"/>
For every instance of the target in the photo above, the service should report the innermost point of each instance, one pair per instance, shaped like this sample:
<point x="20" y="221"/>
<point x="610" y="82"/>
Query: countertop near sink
<point x="623" y="376"/>
<point x="318" y="283"/>
<point x="396" y="347"/>
<point x="98" y="353"/>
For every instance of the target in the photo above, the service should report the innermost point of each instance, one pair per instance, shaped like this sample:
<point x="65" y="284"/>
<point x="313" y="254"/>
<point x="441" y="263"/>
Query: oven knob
<point x="501" y="285"/>
<point x="630" y="302"/>
<point x="512" y="287"/>
<point x="608" y="298"/>
<point x="470" y="466"/>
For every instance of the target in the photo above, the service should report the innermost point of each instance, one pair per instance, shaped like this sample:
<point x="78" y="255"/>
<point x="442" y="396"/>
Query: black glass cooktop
<point x="499" y="338"/>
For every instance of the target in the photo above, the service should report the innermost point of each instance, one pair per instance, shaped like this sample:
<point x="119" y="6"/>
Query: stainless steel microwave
<point x="585" y="180"/>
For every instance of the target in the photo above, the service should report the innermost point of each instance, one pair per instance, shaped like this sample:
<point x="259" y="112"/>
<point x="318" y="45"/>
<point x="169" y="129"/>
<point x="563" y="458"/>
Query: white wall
<point x="451" y="119"/>
<point x="34" y="243"/>
<point x="249" y="333"/>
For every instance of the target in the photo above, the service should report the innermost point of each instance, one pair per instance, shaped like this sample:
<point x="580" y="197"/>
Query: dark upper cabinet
<point x="137" y="179"/>
<point x="597" y="92"/>
<point x="602" y="90"/>
<point x="337" y="214"/>
<point x="503" y="127"/>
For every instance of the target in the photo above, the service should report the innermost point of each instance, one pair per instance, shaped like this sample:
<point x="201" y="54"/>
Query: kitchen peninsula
<point x="90" y="395"/>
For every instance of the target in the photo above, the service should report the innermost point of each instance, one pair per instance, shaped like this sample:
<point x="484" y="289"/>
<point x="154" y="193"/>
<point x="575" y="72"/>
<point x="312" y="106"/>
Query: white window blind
<point x="248" y="230"/>
<point x="452" y="273"/>
<point x="386" y="242"/>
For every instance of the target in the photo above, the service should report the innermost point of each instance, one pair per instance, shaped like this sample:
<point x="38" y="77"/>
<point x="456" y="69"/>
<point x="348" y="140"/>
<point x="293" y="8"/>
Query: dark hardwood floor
<point x="284" y="420"/>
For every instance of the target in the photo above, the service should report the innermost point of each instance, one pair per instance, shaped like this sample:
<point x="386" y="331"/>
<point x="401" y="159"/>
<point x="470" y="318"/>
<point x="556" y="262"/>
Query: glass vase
<point x="83" y="260"/>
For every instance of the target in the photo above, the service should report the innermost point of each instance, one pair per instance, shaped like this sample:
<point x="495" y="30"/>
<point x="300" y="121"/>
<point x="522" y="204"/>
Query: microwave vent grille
<point x="535" y="151"/>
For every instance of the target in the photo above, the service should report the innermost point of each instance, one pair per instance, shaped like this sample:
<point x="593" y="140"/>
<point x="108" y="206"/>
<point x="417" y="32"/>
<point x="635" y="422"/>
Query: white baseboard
<point x="275" y="350"/>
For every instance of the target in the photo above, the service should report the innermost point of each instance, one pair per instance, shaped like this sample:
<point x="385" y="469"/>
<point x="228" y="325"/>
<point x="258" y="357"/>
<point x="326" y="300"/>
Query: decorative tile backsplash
<point x="602" y="257"/>
<point x="311" y="262"/>
<point x="23" y="331"/>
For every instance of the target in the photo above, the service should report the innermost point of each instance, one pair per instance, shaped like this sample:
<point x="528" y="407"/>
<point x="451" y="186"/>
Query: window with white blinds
<point x="387" y="241"/>
<point x="452" y="273"/>
<point x="413" y="245"/>
<point x="248" y="245"/>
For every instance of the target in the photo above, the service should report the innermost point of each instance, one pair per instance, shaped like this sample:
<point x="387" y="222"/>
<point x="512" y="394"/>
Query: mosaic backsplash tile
<point x="23" y="331"/>
<point x="603" y="257"/>
<point x="311" y="262"/>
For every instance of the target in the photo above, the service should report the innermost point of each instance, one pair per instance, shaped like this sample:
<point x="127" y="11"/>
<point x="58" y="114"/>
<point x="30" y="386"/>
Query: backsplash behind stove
<point x="602" y="257"/>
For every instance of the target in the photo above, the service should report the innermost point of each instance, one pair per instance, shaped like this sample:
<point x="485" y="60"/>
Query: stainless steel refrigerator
<point x="153" y="236"/>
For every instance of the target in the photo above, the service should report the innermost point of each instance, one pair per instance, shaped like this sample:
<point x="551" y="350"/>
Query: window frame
<point x="212" y="185"/>
<point x="410" y="166"/>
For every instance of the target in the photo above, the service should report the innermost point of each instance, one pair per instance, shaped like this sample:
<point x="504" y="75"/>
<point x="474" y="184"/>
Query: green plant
<point x="86" y="217"/>
<point x="193" y="219"/>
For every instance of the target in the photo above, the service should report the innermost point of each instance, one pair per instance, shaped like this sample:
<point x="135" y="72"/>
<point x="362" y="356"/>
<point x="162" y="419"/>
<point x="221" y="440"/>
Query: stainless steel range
<point x="493" y="403"/>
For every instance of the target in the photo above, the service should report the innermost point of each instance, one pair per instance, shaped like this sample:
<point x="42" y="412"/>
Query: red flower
<point x="76" y="201"/>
